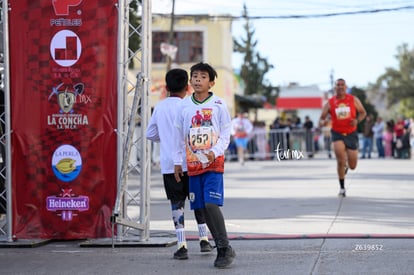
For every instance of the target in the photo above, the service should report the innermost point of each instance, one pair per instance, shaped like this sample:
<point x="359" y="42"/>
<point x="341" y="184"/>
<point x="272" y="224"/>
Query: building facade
<point x="196" y="38"/>
<point x="302" y="101"/>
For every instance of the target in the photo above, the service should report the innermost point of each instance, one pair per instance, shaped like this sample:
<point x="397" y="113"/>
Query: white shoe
<point x="342" y="192"/>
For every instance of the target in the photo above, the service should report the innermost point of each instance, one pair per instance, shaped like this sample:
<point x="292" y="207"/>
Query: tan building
<point x="197" y="38"/>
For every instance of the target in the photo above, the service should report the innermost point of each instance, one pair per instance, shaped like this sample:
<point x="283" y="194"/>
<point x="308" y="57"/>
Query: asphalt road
<point x="283" y="217"/>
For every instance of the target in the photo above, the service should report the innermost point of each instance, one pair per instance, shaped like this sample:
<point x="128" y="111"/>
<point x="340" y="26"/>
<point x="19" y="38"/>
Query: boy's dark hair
<point x="177" y="80"/>
<point x="204" y="67"/>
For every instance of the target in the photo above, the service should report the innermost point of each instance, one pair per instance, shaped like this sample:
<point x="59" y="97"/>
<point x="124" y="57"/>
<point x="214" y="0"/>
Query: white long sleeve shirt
<point x="203" y="127"/>
<point x="161" y="128"/>
<point x="378" y="129"/>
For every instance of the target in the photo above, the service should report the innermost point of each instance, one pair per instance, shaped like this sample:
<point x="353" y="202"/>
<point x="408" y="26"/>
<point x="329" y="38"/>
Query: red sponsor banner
<point x="63" y="68"/>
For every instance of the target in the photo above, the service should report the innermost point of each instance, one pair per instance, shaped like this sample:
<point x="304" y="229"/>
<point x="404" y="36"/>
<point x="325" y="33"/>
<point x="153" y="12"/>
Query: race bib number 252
<point x="200" y="138"/>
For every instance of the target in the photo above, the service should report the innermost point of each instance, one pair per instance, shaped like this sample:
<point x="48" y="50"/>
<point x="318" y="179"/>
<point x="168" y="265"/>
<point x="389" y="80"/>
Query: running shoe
<point x="342" y="192"/>
<point x="181" y="254"/>
<point x="225" y="256"/>
<point x="205" y="246"/>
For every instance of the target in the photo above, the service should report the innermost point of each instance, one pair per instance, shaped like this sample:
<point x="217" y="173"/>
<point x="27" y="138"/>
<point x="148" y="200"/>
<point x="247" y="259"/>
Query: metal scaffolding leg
<point x="132" y="207"/>
<point x="123" y="186"/>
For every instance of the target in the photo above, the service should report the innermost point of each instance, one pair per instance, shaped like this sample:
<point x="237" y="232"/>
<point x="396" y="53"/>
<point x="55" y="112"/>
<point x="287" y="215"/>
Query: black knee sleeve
<point x="200" y="215"/>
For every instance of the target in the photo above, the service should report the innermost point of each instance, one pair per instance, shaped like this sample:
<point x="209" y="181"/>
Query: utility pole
<point x="332" y="81"/>
<point x="171" y="34"/>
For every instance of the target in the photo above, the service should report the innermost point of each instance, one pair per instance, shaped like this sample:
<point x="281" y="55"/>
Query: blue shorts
<point x="206" y="188"/>
<point x="241" y="142"/>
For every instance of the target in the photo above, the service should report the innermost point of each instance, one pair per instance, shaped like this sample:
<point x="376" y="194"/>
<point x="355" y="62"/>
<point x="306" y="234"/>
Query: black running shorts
<point x="176" y="191"/>
<point x="350" y="140"/>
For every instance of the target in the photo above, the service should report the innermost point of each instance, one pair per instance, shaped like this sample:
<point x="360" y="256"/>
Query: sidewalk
<point x="283" y="218"/>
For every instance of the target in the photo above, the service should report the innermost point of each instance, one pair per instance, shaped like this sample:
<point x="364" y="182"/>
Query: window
<point x="189" y="44"/>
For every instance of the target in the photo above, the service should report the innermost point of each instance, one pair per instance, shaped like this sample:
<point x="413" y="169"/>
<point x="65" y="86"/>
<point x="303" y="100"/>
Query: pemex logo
<point x="61" y="7"/>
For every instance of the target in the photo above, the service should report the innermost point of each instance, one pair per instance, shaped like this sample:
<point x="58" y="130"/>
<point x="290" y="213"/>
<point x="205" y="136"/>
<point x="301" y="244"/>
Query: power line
<point x="292" y="16"/>
<point x="333" y="13"/>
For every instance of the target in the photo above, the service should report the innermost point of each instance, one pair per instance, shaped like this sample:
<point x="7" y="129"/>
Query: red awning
<point x="299" y="103"/>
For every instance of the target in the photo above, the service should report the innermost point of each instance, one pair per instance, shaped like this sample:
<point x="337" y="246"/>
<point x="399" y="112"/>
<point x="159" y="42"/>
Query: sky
<point x="308" y="51"/>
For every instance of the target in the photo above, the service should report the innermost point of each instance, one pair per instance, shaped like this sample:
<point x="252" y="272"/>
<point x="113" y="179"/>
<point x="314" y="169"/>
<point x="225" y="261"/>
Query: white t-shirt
<point x="161" y="128"/>
<point x="241" y="127"/>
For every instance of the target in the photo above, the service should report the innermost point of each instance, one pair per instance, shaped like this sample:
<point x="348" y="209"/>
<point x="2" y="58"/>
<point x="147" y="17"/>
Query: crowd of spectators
<point x="383" y="139"/>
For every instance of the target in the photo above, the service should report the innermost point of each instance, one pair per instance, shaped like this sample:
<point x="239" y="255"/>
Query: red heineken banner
<point x="63" y="117"/>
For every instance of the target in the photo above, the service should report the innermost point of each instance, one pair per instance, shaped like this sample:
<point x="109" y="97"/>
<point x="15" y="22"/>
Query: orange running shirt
<point x="342" y="111"/>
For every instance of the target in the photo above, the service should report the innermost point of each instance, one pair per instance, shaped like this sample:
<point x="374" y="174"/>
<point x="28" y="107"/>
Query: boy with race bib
<point x="203" y="128"/>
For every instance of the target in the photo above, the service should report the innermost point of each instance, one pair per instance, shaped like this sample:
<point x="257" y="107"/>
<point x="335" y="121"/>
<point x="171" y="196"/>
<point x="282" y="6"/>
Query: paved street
<point x="283" y="217"/>
<point x="299" y="198"/>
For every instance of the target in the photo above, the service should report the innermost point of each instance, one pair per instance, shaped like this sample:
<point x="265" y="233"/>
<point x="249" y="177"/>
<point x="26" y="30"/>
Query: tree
<point x="371" y="110"/>
<point x="254" y="66"/>
<point x="361" y="95"/>
<point x="134" y="41"/>
<point x="400" y="82"/>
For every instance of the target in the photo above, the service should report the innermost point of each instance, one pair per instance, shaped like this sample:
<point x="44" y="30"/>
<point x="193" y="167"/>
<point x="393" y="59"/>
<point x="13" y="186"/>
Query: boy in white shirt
<point x="203" y="127"/>
<point x="160" y="129"/>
